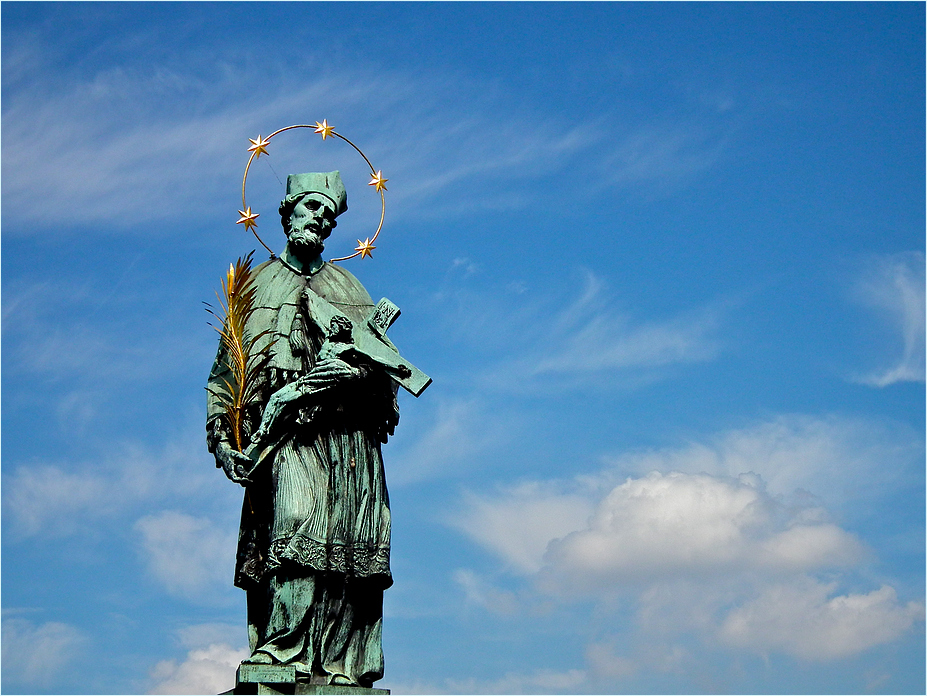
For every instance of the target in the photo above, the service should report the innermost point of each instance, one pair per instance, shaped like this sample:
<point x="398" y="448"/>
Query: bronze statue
<point x="314" y="543"/>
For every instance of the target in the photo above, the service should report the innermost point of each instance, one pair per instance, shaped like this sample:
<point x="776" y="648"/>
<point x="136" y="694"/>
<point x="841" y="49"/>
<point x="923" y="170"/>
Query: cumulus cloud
<point x="831" y="459"/>
<point x="750" y="499"/>
<point x="894" y="286"/>
<point x="803" y="619"/>
<point x="33" y="655"/>
<point x="188" y="555"/>
<point x="698" y="550"/>
<point x="209" y="670"/>
<point x="664" y="525"/>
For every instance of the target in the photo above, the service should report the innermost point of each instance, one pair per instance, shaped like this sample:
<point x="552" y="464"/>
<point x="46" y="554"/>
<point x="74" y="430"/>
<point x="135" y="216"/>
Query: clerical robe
<point x="313" y="550"/>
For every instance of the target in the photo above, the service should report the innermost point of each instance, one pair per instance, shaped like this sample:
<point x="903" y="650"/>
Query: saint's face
<point x="311" y="223"/>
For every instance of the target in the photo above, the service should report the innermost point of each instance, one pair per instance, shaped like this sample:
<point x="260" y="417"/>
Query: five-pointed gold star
<point x="259" y="146"/>
<point x="378" y="181"/>
<point x="365" y="248"/>
<point x="323" y="128"/>
<point x="247" y="218"/>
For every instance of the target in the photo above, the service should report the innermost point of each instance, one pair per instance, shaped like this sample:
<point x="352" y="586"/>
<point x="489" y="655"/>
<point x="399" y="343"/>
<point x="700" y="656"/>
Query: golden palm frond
<point x="244" y="361"/>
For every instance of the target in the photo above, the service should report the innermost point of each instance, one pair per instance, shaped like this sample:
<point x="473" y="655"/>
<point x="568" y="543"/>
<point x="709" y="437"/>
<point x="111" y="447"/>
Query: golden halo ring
<point x="259" y="147"/>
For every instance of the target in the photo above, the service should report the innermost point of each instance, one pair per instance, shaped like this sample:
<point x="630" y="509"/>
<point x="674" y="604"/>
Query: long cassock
<point x="313" y="551"/>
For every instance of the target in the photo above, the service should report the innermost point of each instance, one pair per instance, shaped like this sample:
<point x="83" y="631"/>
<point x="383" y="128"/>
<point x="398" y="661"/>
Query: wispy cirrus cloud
<point x="99" y="334"/>
<point x="102" y="137"/>
<point x="894" y="286"/>
<point x="662" y="155"/>
<point x="588" y="342"/>
<point x="608" y="341"/>
<point x="484" y="594"/>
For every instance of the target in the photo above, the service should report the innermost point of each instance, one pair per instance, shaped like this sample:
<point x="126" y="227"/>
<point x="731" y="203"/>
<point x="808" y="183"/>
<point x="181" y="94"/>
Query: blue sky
<point x="665" y="263"/>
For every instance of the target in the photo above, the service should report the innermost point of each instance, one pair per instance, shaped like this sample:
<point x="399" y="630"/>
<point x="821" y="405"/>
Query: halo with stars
<point x="377" y="180"/>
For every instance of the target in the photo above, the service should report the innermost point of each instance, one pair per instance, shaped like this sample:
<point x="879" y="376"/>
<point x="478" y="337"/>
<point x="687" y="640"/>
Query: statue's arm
<point x="218" y="438"/>
<point x="328" y="373"/>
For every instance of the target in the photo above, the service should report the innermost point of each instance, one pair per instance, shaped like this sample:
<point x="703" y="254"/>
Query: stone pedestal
<point x="281" y="679"/>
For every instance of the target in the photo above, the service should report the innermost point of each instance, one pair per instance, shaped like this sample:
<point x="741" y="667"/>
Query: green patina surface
<point x="314" y="541"/>
<point x="283" y="679"/>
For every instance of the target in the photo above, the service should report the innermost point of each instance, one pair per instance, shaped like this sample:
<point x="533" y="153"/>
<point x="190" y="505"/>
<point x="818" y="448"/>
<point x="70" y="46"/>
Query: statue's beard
<point x="306" y="244"/>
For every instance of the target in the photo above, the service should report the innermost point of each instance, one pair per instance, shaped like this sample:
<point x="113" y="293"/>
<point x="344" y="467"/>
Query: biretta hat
<point x="327" y="184"/>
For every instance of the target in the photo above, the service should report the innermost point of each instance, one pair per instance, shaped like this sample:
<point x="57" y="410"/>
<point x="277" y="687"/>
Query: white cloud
<point x="674" y="524"/>
<point x="66" y="498"/>
<point x="803" y="619"/>
<point x="702" y="548"/>
<point x="47" y="499"/>
<point x="466" y="265"/>
<point x="34" y="655"/>
<point x="610" y="666"/>
<point x="833" y="459"/>
<point x="99" y="137"/>
<point x="188" y="555"/>
<point x="209" y="670"/>
<point x="669" y="607"/>
<point x="518" y="523"/>
<point x="745" y="500"/>
<point x="96" y="335"/>
<point x="894" y="286"/>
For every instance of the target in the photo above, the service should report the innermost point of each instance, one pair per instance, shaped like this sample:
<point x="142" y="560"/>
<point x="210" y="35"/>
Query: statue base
<point x="281" y="679"/>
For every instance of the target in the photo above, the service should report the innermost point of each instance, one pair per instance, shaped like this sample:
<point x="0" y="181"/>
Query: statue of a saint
<point x="313" y="551"/>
